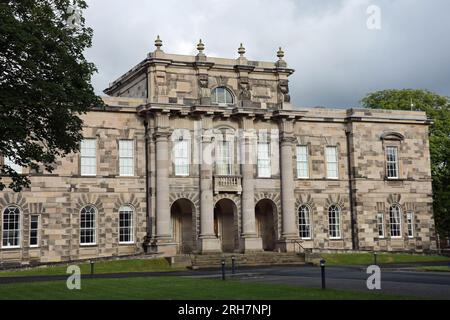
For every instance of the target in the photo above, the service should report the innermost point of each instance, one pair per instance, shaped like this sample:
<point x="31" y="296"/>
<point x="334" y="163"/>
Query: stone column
<point x="208" y="240"/>
<point x="249" y="240"/>
<point x="289" y="224"/>
<point x="163" y="236"/>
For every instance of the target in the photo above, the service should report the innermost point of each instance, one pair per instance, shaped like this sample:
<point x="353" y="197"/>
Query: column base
<point x="210" y="245"/>
<point x="165" y="247"/>
<point x="251" y="244"/>
<point x="288" y="245"/>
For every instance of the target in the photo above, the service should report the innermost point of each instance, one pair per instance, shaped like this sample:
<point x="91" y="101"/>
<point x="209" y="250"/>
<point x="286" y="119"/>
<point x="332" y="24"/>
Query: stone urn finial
<point x="241" y="50"/>
<point x="200" y="47"/>
<point x="158" y="43"/>
<point x="280" y="54"/>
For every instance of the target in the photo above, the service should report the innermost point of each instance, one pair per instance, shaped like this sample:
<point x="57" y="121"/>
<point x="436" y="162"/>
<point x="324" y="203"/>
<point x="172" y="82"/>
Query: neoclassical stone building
<point x="202" y="154"/>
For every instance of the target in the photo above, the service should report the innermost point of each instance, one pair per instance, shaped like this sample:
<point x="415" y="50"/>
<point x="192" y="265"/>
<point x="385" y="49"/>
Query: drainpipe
<point x="355" y="245"/>
<point x="147" y="211"/>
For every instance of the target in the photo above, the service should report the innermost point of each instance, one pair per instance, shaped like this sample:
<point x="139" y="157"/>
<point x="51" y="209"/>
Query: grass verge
<point x="100" y="267"/>
<point x="176" y="288"/>
<point x="368" y="258"/>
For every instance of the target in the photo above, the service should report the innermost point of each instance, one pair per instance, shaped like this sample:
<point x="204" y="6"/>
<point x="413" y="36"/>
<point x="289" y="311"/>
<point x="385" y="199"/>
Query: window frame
<point x="268" y="159"/>
<point x="335" y="162"/>
<point x="18" y="229"/>
<point x="410" y="224"/>
<point x="82" y="173"/>
<point x="129" y="228"/>
<point x="339" y="222"/>
<point x="215" y="96"/>
<point x="304" y="162"/>
<point x="399" y="223"/>
<point x="230" y="157"/>
<point x="187" y="158"/>
<point x="396" y="162"/>
<point x="380" y="223"/>
<point x="122" y="157"/>
<point x="94" y="228"/>
<point x="308" y="224"/>
<point x="37" y="229"/>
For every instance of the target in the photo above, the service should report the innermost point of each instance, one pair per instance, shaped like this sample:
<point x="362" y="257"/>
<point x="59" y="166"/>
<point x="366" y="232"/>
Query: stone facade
<point x="169" y="98"/>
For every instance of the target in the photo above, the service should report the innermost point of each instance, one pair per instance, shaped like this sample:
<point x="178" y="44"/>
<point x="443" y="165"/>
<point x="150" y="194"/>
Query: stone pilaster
<point x="289" y="224"/>
<point x="164" y="241"/>
<point x="249" y="240"/>
<point x="208" y="240"/>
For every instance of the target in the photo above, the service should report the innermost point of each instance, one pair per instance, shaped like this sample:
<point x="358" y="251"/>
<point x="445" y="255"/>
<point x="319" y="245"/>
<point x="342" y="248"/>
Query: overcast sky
<point x="337" y="58"/>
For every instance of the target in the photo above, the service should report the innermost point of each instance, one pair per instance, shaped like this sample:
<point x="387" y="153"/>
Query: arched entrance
<point x="265" y="211"/>
<point x="182" y="212"/>
<point x="224" y="224"/>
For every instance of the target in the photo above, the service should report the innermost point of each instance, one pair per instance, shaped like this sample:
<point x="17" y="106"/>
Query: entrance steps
<point x="196" y="261"/>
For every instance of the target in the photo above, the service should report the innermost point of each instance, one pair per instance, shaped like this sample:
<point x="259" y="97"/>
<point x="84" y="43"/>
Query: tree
<point x="438" y="109"/>
<point x="44" y="83"/>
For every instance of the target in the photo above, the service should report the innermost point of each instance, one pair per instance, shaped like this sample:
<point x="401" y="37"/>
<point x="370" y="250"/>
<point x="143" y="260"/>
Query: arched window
<point x="126" y="233"/>
<point x="221" y="95"/>
<point x="304" y="222"/>
<point x="11" y="227"/>
<point x="395" y="221"/>
<point x="334" y="221"/>
<point x="88" y="225"/>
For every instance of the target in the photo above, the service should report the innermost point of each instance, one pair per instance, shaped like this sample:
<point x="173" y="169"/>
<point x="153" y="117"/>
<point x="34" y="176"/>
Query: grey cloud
<point x="337" y="59"/>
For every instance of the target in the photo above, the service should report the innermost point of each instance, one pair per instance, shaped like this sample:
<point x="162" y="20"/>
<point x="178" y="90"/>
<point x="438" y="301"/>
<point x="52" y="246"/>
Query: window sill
<point x="126" y="243"/>
<point x="89" y="245"/>
<point x="11" y="248"/>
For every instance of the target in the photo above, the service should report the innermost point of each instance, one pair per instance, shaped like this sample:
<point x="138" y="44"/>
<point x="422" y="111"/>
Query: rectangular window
<point x="410" y="222"/>
<point x="12" y="165"/>
<point x="126" y="225"/>
<point x="223" y="158"/>
<point x="395" y="222"/>
<point x="126" y="158"/>
<point x="380" y="225"/>
<point x="181" y="158"/>
<point x="304" y="223"/>
<point x="34" y="231"/>
<point x="88" y="157"/>
<point x="264" y="170"/>
<point x="332" y="163"/>
<point x="302" y="162"/>
<point x="11" y="227"/>
<point x="392" y="162"/>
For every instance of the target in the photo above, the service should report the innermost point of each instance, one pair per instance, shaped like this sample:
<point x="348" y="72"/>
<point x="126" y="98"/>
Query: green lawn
<point x="114" y="266"/>
<point x="174" y="288"/>
<point x="367" y="258"/>
<point x="435" y="268"/>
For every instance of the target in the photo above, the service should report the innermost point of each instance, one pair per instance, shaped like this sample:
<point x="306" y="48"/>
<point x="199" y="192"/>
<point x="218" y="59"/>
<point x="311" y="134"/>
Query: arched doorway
<point x="265" y="211"/>
<point x="224" y="224"/>
<point x="182" y="212"/>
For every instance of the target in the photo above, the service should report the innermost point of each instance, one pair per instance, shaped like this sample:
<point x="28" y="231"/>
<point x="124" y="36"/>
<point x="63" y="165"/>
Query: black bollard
<point x="233" y="264"/>
<point x="92" y="267"/>
<point x="375" y="258"/>
<point x="223" y="269"/>
<point x="322" y="269"/>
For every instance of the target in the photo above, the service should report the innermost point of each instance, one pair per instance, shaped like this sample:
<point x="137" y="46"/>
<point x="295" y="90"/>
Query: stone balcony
<point x="227" y="184"/>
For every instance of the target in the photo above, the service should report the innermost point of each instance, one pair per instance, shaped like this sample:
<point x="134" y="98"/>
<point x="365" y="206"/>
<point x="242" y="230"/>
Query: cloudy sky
<point x="337" y="58"/>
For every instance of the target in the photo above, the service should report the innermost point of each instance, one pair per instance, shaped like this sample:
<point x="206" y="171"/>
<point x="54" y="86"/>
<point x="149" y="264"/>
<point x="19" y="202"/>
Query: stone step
<point x="252" y="259"/>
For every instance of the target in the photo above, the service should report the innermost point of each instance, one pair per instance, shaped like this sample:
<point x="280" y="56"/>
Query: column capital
<point x="162" y="134"/>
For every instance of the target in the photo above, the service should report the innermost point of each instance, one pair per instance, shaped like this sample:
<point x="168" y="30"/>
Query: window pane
<point x="332" y="162"/>
<point x="380" y="225"/>
<point x="334" y="222"/>
<point x="304" y="223"/>
<point x="126" y="234"/>
<point x="264" y="166"/>
<point x="11" y="227"/>
<point x="395" y="221"/>
<point x="34" y="230"/>
<point x="392" y="162"/>
<point x="88" y="157"/>
<point x="302" y="162"/>
<point x="182" y="157"/>
<point x="88" y="225"/>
